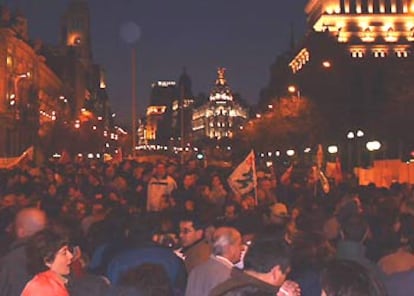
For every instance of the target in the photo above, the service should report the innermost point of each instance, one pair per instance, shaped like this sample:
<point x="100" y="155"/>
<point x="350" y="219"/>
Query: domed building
<point x="221" y="116"/>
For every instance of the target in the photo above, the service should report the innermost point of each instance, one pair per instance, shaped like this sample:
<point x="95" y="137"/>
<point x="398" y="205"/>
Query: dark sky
<point x="244" y="36"/>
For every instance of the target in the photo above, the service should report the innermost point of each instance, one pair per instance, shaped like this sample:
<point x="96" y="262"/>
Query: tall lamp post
<point x="351" y="136"/>
<point x="130" y="33"/>
<point x="373" y="146"/>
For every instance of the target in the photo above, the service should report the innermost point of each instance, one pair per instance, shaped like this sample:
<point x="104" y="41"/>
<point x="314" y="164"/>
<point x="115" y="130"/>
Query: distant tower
<point x="185" y="85"/>
<point x="76" y="28"/>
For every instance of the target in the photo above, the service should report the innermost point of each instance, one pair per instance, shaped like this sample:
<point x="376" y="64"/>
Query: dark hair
<point x="348" y="278"/>
<point x="263" y="255"/>
<point x="197" y="224"/>
<point x="42" y="248"/>
<point x="151" y="279"/>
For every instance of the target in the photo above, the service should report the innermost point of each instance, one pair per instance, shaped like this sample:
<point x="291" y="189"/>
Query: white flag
<point x="243" y="179"/>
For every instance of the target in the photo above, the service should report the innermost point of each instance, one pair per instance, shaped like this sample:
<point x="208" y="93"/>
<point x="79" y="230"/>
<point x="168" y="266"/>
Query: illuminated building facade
<point x="221" y="116"/>
<point x="30" y="92"/>
<point x="357" y="63"/>
<point x="156" y="127"/>
<point x="41" y="85"/>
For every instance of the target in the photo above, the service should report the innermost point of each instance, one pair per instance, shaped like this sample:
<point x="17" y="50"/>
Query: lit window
<point x="360" y="54"/>
<point x="379" y="54"/>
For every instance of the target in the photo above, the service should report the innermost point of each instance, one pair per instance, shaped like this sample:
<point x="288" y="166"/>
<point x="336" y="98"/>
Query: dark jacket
<point x="13" y="272"/>
<point x="149" y="253"/>
<point x="240" y="283"/>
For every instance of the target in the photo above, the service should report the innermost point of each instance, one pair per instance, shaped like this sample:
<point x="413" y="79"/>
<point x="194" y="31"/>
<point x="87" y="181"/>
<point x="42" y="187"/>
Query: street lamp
<point x="351" y="135"/>
<point x="326" y="64"/>
<point x="333" y="149"/>
<point x="373" y="146"/>
<point x="294" y="90"/>
<point x="290" y="152"/>
<point x="130" y="33"/>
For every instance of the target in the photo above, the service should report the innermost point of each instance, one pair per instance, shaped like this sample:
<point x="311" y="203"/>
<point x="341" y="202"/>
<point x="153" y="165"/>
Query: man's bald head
<point x="29" y="221"/>
<point x="227" y="243"/>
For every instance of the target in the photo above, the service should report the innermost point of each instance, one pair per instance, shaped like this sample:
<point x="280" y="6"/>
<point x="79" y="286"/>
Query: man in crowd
<point x="267" y="264"/>
<point x="227" y="249"/>
<point x="13" y="273"/>
<point x="160" y="187"/>
<point x="196" y="249"/>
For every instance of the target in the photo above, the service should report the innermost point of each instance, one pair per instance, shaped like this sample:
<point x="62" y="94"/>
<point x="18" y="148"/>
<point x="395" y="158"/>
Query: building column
<point x="382" y="6"/>
<point x="370" y="6"/>
<point x="342" y="6"/>
<point x="347" y="6"/>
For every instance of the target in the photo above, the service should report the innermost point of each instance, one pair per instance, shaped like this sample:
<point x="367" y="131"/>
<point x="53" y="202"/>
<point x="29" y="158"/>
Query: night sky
<point x="243" y="36"/>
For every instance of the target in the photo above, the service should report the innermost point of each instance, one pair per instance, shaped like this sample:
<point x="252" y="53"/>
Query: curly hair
<point x="42" y="248"/>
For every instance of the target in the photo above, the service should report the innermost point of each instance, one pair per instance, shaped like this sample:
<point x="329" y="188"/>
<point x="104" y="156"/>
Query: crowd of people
<point x="129" y="228"/>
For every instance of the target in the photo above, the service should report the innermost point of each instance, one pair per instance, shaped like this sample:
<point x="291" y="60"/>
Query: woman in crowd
<point x="49" y="259"/>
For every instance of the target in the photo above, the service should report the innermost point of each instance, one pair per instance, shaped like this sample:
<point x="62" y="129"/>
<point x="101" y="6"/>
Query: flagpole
<point x="255" y="196"/>
<point x="256" y="201"/>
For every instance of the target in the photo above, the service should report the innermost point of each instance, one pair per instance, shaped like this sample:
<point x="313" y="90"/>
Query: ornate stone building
<point x="356" y="62"/>
<point x="40" y="84"/>
<point x="29" y="89"/>
<point x="221" y="116"/>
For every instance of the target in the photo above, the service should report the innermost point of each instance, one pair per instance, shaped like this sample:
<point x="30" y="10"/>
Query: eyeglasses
<point x="186" y="230"/>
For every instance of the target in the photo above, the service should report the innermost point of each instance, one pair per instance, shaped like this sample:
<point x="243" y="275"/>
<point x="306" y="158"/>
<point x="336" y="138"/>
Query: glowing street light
<point x="373" y="146"/>
<point x="326" y="64"/>
<point x="360" y="133"/>
<point x="350" y="135"/>
<point x="290" y="152"/>
<point x="333" y="149"/>
<point x="294" y="90"/>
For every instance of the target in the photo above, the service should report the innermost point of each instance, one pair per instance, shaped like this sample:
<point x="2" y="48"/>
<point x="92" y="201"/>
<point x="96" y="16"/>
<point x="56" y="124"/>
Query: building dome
<point x="221" y="91"/>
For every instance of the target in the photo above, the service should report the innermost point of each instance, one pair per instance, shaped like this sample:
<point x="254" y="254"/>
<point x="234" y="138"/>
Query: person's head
<point x="227" y="242"/>
<point x="191" y="230"/>
<point x="231" y="210"/>
<point x="48" y="250"/>
<point x="160" y="170"/>
<point x="215" y="181"/>
<point x="189" y="205"/>
<point x="29" y="221"/>
<point x="265" y="183"/>
<point x="52" y="189"/>
<point x="278" y="214"/>
<point x="8" y="200"/>
<point x="348" y="278"/>
<point x="355" y="228"/>
<point x="271" y="259"/>
<point x="188" y="180"/>
<point x="150" y="279"/>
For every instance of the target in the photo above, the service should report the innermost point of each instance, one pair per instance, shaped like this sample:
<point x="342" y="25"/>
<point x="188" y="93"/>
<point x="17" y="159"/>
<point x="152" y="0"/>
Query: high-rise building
<point x="182" y="110"/>
<point x="221" y="116"/>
